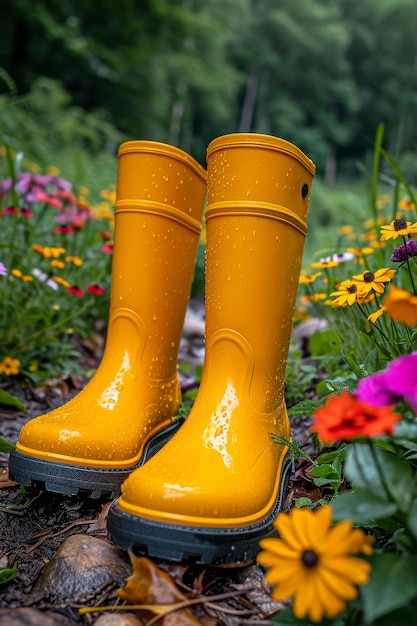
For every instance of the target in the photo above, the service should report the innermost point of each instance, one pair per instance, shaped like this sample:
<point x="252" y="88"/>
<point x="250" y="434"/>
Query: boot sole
<point x="74" y="480"/>
<point x="193" y="544"/>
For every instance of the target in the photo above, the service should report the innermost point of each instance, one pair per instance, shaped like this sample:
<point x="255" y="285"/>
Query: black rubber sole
<point x="74" y="480"/>
<point x="173" y="542"/>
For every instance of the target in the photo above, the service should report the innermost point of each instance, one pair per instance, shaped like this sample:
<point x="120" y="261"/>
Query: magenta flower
<point x="398" y="382"/>
<point x="374" y="390"/>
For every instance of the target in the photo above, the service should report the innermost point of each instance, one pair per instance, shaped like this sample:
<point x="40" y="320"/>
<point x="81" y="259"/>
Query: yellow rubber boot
<point x="213" y="491"/>
<point x="125" y="413"/>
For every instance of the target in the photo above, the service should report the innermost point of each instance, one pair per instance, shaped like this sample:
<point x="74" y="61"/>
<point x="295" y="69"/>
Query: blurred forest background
<point x="78" y="77"/>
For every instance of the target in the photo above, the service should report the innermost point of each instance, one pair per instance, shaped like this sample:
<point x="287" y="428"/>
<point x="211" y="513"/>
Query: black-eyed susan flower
<point x="401" y="306"/>
<point x="59" y="264"/>
<point x="314" y="563"/>
<point x="22" y="276"/>
<point x="325" y="262"/>
<point x="360" y="252"/>
<point x="406" y="204"/>
<point x="306" y="279"/>
<point x="373" y="280"/>
<point x="347" y="293"/>
<point x="10" y="366"/>
<point x="398" y="228"/>
<point x="75" y="260"/>
<point x="60" y="281"/>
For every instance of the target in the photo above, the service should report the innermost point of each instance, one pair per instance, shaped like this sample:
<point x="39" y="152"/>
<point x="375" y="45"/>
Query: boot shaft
<point x="159" y="204"/>
<point x="258" y="195"/>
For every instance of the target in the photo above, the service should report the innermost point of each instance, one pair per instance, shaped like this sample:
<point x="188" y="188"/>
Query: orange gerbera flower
<point x="401" y="306"/>
<point x="346" y="417"/>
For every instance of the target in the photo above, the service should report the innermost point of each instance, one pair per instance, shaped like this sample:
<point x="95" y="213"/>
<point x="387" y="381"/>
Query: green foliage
<point x="322" y="74"/>
<point x="5" y="446"/>
<point x="7" y="574"/>
<point x="373" y="476"/>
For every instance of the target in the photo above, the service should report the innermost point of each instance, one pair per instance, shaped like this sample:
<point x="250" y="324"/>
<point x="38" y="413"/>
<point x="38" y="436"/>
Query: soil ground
<point x="34" y="524"/>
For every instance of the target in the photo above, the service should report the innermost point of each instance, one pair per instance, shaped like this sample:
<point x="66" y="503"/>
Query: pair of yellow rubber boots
<point x="207" y="489"/>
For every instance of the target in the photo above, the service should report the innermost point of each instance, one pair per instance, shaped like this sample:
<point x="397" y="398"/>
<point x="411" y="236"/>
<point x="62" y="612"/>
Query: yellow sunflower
<point x="373" y="280"/>
<point x="398" y="228"/>
<point x="312" y="562"/>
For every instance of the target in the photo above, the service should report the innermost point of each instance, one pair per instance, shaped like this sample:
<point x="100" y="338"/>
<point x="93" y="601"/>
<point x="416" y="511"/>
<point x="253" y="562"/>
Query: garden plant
<point x="350" y="557"/>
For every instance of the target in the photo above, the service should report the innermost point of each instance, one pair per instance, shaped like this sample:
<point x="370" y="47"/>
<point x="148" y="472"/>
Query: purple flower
<point x="397" y="382"/>
<point x="404" y="252"/>
<point x="3" y="269"/>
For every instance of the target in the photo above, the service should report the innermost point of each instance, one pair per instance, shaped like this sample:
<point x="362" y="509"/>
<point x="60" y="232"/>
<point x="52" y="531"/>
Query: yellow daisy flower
<point x="75" y="260"/>
<point x="313" y="563"/>
<point x="401" y="306"/>
<point x="306" y="280"/>
<point x="58" y="264"/>
<point x="373" y="280"/>
<point x="406" y="204"/>
<point x="22" y="276"/>
<point x="60" y="281"/>
<point x="347" y="293"/>
<point x="398" y="228"/>
<point x="10" y="366"/>
<point x="326" y="262"/>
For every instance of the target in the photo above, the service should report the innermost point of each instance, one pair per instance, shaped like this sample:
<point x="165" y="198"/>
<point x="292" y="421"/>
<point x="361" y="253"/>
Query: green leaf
<point x="5" y="446"/>
<point x="412" y="519"/>
<point x="9" y="400"/>
<point x="7" y="574"/>
<point x="406" y="616"/>
<point x="325" y="471"/>
<point x="359" y="370"/>
<point x="392" y="584"/>
<point x="324" y="343"/>
<point x="304" y="408"/>
<point x="361" y="507"/>
<point x="379" y="472"/>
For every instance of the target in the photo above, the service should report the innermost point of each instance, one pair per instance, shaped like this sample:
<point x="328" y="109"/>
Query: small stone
<point x="32" y="617"/>
<point x="81" y="570"/>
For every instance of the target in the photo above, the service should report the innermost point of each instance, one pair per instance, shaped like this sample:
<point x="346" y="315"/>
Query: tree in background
<point x="321" y="73"/>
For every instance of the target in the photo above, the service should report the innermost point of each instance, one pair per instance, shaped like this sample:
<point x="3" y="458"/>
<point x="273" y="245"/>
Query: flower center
<point x="400" y="224"/>
<point x="368" y="277"/>
<point x="310" y="558"/>
<point x="352" y="289"/>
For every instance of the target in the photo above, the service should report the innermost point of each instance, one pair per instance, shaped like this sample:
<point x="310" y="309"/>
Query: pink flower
<point x="397" y="382"/>
<point x="374" y="390"/>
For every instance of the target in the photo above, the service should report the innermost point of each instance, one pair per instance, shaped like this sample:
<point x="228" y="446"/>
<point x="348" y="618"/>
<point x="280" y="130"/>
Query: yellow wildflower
<point x="314" y="563"/>
<point x="10" y="366"/>
<point x="398" y="228"/>
<point x="373" y="280"/>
